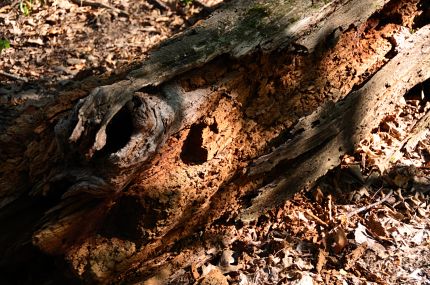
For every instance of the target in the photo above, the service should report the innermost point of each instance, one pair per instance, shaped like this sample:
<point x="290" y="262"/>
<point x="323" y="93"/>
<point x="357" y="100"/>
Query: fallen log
<point x="258" y="101"/>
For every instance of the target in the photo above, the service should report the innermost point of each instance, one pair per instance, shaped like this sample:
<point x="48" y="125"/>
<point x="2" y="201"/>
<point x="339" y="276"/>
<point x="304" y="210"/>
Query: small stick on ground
<point x="365" y="208"/>
<point x="315" y="218"/>
<point x="159" y="5"/>
<point x="100" y="5"/>
<point x="16" y="77"/>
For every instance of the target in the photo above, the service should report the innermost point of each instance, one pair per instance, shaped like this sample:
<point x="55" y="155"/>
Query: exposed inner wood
<point x="237" y="30"/>
<point x="347" y="122"/>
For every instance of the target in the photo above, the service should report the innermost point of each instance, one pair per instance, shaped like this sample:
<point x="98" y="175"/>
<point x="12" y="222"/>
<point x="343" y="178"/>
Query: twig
<point x="100" y="5"/>
<point x="16" y="77"/>
<point x="315" y="218"/>
<point x="159" y="5"/>
<point x="365" y="208"/>
<point x="330" y="208"/>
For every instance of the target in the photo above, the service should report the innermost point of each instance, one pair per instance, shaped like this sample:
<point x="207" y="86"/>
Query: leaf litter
<point x="60" y="41"/>
<point x="366" y="222"/>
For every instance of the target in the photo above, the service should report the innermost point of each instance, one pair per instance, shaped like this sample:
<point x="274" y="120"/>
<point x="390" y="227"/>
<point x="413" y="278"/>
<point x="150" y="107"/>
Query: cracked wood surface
<point x="346" y="124"/>
<point x="237" y="30"/>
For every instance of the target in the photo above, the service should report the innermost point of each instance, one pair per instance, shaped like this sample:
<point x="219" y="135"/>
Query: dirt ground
<point x="366" y="222"/>
<point x="59" y="40"/>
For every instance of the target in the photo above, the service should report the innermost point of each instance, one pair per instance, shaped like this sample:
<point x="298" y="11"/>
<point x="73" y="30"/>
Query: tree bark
<point x="224" y="121"/>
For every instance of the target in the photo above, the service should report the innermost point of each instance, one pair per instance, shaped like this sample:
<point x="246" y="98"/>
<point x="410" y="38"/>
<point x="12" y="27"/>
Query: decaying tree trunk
<point x="224" y="121"/>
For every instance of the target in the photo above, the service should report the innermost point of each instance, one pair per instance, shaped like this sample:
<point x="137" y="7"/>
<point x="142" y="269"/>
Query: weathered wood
<point x="236" y="30"/>
<point x="139" y="163"/>
<point x="343" y="125"/>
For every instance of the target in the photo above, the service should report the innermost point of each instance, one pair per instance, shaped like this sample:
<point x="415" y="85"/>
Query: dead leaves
<point x="351" y="229"/>
<point x="403" y="130"/>
<point x="102" y="36"/>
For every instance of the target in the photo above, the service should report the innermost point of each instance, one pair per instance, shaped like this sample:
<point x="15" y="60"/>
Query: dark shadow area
<point x="424" y="18"/>
<point x="193" y="151"/>
<point x="421" y="93"/>
<point x="43" y="269"/>
<point x="124" y="220"/>
<point x="21" y="262"/>
<point x="118" y="132"/>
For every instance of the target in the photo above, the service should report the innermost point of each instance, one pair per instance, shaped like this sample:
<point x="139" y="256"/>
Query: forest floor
<point x="367" y="221"/>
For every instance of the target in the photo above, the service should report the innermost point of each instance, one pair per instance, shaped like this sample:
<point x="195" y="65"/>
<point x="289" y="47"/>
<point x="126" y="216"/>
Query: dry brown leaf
<point x="214" y="277"/>
<point x="322" y="260"/>
<point x="375" y="227"/>
<point x="362" y="237"/>
<point x="194" y="271"/>
<point x="37" y="41"/>
<point x="336" y="240"/>
<point x="355" y="255"/>
<point x="318" y="195"/>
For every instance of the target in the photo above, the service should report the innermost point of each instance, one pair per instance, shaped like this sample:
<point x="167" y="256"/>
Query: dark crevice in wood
<point x="394" y="48"/>
<point x="123" y="221"/>
<point x="284" y="136"/>
<point x="193" y="151"/>
<point x="118" y="132"/>
<point x="214" y="127"/>
<point x="389" y="14"/>
<point x="150" y="89"/>
<point x="421" y="93"/>
<point x="423" y="19"/>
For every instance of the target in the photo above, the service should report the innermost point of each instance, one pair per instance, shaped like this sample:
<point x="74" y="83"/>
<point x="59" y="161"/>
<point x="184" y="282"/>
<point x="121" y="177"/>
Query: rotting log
<point x="260" y="98"/>
<point x="337" y="129"/>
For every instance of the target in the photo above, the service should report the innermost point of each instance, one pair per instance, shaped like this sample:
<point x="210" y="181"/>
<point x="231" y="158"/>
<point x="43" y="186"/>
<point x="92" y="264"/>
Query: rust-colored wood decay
<point x="133" y="180"/>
